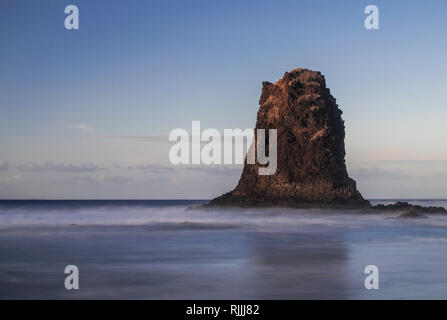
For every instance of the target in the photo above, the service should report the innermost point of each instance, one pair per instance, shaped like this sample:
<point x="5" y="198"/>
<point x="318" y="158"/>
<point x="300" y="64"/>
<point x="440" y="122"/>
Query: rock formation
<point x="311" y="168"/>
<point x="411" y="215"/>
<point x="408" y="208"/>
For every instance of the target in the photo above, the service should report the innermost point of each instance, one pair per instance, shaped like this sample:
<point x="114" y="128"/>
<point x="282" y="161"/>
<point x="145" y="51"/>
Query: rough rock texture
<point x="311" y="168"/>
<point x="405" y="206"/>
<point x="411" y="215"/>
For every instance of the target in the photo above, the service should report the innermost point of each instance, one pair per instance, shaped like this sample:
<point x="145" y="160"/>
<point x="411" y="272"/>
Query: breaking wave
<point x="170" y="214"/>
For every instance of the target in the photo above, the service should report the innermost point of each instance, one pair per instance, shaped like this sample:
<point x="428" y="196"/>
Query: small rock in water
<point x="412" y="214"/>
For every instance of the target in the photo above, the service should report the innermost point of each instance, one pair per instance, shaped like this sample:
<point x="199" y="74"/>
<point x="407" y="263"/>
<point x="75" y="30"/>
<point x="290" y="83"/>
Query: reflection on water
<point x="162" y="251"/>
<point x="300" y="266"/>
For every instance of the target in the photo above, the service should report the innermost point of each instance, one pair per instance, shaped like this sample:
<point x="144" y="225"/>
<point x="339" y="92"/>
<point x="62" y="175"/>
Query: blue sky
<point x="76" y="106"/>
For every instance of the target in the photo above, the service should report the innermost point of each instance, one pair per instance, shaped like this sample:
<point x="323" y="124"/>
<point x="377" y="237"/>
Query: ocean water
<point x="162" y="250"/>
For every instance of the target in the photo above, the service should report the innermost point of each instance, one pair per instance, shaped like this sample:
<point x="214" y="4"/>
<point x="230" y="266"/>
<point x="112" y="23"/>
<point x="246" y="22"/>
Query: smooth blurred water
<point x="161" y="250"/>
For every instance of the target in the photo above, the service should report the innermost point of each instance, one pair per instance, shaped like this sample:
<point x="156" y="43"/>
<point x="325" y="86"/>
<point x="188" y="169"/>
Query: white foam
<point x="266" y="219"/>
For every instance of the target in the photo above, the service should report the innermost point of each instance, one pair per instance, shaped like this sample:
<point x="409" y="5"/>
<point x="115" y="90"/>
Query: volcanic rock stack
<point x="311" y="169"/>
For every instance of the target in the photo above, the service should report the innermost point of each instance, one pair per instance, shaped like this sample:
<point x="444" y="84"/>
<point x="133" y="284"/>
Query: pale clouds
<point x="82" y="179"/>
<point x="153" y="168"/>
<point x="3" y="165"/>
<point x="59" y="167"/>
<point x="99" y="180"/>
<point x="117" y="180"/>
<point x="374" y="171"/>
<point x="82" y="126"/>
<point x="216" y="170"/>
<point x="153" y="138"/>
<point x="400" y="179"/>
<point x="394" y="169"/>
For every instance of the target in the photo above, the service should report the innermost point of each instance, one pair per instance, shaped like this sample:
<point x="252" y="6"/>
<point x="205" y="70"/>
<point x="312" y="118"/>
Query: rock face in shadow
<point x="410" y="214"/>
<point x="409" y="209"/>
<point x="311" y="170"/>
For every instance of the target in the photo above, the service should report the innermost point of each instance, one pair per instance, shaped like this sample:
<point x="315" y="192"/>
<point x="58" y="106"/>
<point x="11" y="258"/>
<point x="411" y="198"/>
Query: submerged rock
<point x="400" y="206"/>
<point x="311" y="170"/>
<point x="412" y="215"/>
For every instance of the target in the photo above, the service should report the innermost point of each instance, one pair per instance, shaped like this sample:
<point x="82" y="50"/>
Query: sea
<point x="138" y="249"/>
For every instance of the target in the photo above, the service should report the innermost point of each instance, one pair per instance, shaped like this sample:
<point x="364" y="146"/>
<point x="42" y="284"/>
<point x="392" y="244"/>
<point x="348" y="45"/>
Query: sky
<point x="85" y="114"/>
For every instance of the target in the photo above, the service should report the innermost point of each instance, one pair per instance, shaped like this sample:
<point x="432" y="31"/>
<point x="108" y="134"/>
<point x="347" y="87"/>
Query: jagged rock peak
<point x="311" y="168"/>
